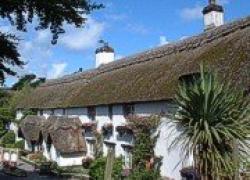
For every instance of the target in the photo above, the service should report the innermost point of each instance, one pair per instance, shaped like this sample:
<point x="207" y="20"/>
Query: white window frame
<point x="127" y="159"/>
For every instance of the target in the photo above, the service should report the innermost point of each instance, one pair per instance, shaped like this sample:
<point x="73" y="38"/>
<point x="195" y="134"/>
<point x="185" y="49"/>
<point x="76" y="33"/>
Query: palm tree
<point x="213" y="118"/>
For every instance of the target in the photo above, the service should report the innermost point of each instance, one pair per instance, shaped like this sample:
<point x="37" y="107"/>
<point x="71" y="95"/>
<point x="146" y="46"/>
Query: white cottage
<point x="142" y="84"/>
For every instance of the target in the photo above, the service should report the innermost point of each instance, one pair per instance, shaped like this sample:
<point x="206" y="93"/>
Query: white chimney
<point x="213" y="15"/>
<point x="104" y="54"/>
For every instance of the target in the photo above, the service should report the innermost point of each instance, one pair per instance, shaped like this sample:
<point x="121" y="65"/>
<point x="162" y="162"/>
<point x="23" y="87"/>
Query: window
<point x="110" y="113"/>
<point x="91" y="113"/>
<point x="52" y="112"/>
<point x="41" y="112"/>
<point x="64" y="112"/>
<point x="128" y="109"/>
<point x="189" y="79"/>
<point x="91" y="148"/>
<point x="127" y="159"/>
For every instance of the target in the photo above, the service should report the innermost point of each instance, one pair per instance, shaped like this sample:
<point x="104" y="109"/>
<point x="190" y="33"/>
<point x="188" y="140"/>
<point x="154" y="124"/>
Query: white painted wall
<point x="70" y="160"/>
<point x="19" y="114"/>
<point x="47" y="113"/>
<point x="213" y="19"/>
<point x="27" y="146"/>
<point x="104" y="58"/>
<point x="58" y="112"/>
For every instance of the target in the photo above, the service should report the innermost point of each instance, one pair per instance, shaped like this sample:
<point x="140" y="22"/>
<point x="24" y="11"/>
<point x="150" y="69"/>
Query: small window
<point x="91" y="148"/>
<point x="127" y="159"/>
<point x="52" y="112"/>
<point x="110" y="113"/>
<point x="128" y="109"/>
<point x="64" y="111"/>
<point x="91" y="113"/>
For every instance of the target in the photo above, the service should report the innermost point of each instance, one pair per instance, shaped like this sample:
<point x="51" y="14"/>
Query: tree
<point x="49" y="14"/>
<point x="213" y="117"/>
<point x="28" y="79"/>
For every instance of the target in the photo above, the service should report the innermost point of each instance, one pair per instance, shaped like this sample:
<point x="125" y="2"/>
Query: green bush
<point x="8" y="138"/>
<point x="145" y="175"/>
<point x="117" y="168"/>
<point x="19" y="144"/>
<point x="11" y="146"/>
<point x="97" y="168"/>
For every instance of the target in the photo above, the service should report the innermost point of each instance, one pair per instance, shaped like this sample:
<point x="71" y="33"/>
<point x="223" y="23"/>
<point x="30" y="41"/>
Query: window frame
<point x="128" y="109"/>
<point x="127" y="159"/>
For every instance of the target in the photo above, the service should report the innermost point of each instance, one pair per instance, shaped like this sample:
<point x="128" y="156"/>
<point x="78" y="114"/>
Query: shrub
<point x="37" y="157"/>
<point x="23" y="152"/>
<point x="19" y="144"/>
<point x="97" y="168"/>
<point x="8" y="138"/>
<point x="117" y="168"/>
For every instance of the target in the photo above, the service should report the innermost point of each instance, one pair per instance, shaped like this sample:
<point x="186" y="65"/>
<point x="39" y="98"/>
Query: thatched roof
<point x="66" y="133"/>
<point x="31" y="127"/>
<point x="152" y="75"/>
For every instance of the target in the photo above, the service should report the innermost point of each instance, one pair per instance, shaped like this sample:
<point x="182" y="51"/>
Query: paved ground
<point x="32" y="175"/>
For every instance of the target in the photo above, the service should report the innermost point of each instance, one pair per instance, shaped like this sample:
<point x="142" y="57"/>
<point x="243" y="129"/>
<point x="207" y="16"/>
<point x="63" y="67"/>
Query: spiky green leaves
<point x="214" y="120"/>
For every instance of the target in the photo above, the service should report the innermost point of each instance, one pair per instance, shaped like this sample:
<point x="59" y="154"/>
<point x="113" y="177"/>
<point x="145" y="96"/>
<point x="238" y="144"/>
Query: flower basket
<point x="124" y="130"/>
<point x="90" y="126"/>
<point x="107" y="129"/>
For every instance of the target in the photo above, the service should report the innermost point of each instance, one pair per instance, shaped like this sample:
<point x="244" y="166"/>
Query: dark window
<point x="110" y="112"/>
<point x="91" y="113"/>
<point x="128" y="109"/>
<point x="52" y="112"/>
<point x="64" y="112"/>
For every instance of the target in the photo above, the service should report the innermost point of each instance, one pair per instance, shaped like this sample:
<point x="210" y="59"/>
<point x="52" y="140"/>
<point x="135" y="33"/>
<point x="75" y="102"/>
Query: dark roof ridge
<point x="193" y="42"/>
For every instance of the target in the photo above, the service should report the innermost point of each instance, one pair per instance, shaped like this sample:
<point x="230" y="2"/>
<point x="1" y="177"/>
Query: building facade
<point x="143" y="84"/>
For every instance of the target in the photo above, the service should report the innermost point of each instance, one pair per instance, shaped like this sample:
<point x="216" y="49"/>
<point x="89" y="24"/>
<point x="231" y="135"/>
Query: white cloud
<point x="163" y="40"/>
<point x="137" y="28"/>
<point x="82" y="38"/>
<point x="57" y="70"/>
<point x="192" y="13"/>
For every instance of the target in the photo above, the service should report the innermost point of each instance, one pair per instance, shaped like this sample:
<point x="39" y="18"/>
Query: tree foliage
<point x="213" y="117"/>
<point x="28" y="80"/>
<point x="49" y="14"/>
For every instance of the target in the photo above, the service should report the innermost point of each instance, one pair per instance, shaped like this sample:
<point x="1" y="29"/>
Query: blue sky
<point x="130" y="26"/>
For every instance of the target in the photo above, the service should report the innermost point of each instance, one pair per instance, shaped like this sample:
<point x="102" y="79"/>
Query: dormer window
<point x="128" y="110"/>
<point x="92" y="113"/>
<point x="190" y="78"/>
